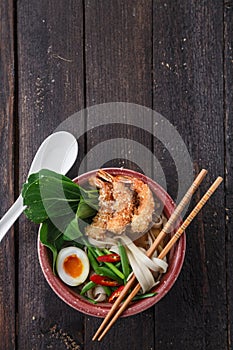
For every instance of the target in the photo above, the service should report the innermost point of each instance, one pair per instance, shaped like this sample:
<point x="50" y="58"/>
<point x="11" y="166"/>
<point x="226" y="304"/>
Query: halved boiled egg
<point x="72" y="266"/>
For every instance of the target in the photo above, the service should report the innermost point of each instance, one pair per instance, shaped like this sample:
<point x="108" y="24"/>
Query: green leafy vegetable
<point x="75" y="227"/>
<point x="72" y="230"/>
<point x="60" y="205"/>
<point x="52" y="238"/>
<point x="84" y="210"/>
<point x="49" y="195"/>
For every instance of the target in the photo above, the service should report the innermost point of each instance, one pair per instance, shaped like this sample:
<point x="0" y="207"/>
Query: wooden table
<point x="175" y="57"/>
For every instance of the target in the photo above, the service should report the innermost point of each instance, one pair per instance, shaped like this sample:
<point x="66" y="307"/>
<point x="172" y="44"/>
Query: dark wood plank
<point x="228" y="74"/>
<point x="50" y="52"/>
<point x="118" y="68"/>
<point x="188" y="85"/>
<point x="7" y="247"/>
<point x="188" y="91"/>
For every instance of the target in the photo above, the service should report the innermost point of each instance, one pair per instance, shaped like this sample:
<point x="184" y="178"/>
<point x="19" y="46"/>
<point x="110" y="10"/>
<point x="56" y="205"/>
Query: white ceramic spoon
<point x="58" y="152"/>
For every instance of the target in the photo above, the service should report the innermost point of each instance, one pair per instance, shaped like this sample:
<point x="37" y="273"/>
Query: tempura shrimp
<point x="98" y="226"/>
<point x="125" y="202"/>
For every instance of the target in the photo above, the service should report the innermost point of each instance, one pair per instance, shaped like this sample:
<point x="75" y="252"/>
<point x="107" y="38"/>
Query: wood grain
<point x="50" y="51"/>
<point x="188" y="90"/>
<point x="118" y="68"/>
<point x="7" y="109"/>
<point x="228" y="102"/>
<point x="174" y="57"/>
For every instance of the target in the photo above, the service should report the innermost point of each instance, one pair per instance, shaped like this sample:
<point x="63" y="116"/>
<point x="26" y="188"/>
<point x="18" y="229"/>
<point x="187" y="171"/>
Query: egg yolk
<point x="73" y="266"/>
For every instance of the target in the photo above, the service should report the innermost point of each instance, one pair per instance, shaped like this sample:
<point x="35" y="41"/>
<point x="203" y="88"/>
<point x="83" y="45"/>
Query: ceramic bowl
<point x="176" y="258"/>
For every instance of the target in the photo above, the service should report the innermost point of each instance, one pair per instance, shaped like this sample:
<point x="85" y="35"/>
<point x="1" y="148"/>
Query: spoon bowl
<point x="58" y="153"/>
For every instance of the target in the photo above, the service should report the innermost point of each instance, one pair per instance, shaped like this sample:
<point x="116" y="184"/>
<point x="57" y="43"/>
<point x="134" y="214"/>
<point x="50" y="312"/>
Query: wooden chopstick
<point x="166" y="229"/>
<point x="167" y="248"/>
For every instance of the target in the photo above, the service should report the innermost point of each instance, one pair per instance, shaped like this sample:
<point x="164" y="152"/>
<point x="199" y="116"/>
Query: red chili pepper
<point x="104" y="281"/>
<point x="109" y="258"/>
<point x="115" y="294"/>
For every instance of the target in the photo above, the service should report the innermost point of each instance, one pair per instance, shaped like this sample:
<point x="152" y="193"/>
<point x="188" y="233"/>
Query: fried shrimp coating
<point x="143" y="213"/>
<point x="98" y="226"/>
<point x="125" y="202"/>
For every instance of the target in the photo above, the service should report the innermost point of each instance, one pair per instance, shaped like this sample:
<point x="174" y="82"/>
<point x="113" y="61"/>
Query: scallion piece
<point x="124" y="261"/>
<point x="144" y="296"/>
<point x="87" y="287"/>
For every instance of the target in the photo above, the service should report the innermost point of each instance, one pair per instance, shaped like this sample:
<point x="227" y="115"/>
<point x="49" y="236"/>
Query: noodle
<point x="147" y="271"/>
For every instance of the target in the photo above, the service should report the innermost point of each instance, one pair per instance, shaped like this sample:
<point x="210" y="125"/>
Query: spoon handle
<point x="11" y="216"/>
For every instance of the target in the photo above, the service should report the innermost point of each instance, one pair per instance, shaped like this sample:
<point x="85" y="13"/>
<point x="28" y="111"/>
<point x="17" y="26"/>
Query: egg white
<point x="66" y="278"/>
